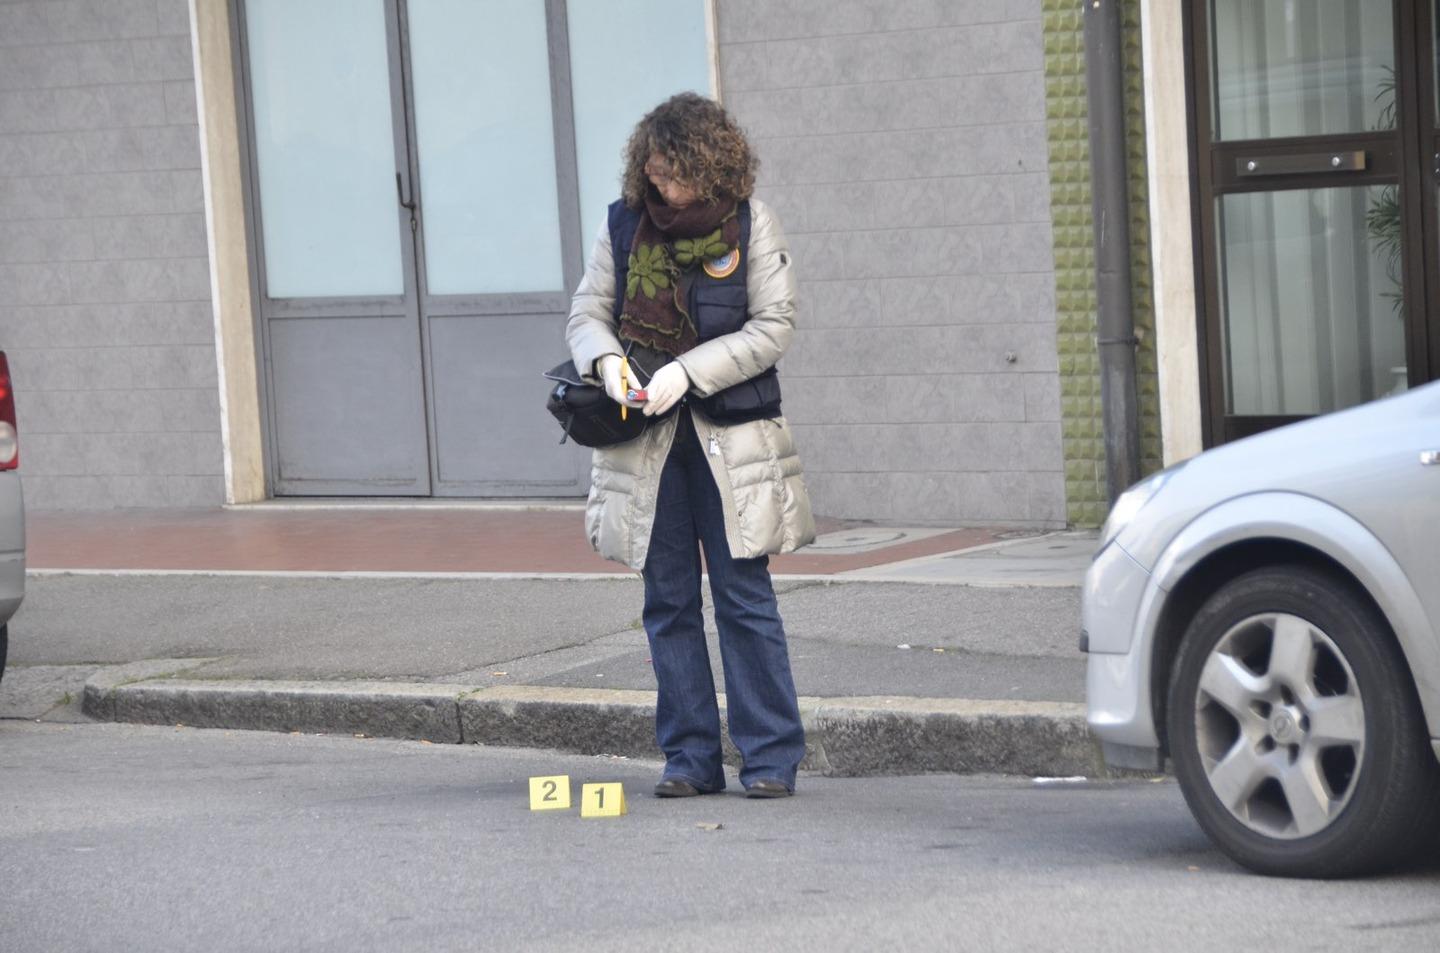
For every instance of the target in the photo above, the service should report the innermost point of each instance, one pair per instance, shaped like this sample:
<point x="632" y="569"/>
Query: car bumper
<point x="12" y="545"/>
<point x="1117" y="683"/>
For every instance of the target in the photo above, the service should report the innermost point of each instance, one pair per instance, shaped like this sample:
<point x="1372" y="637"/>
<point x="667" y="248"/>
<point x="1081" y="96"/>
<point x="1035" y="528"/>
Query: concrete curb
<point x="99" y="696"/>
<point x="851" y="737"/>
<point x="879" y="736"/>
<point x="418" y="712"/>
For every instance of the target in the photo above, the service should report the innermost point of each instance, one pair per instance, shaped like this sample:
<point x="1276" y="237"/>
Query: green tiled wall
<point x="1069" y="133"/>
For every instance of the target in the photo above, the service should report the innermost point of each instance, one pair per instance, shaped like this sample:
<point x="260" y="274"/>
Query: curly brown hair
<point x="705" y="149"/>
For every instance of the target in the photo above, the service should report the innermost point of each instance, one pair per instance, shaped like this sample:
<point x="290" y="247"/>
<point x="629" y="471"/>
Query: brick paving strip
<point x="416" y="539"/>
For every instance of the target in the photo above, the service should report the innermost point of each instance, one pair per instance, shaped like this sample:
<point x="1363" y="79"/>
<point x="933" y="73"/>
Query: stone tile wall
<point x="104" y="281"/>
<point x="903" y="144"/>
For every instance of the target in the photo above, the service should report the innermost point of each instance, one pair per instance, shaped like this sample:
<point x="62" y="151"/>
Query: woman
<point x="689" y="299"/>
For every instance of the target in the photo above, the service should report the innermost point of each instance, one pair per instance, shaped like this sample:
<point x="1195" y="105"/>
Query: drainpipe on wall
<point x="1110" y="203"/>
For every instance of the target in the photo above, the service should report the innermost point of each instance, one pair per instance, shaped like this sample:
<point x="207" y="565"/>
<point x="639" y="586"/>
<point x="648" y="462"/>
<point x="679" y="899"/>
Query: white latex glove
<point x="610" y="366"/>
<point x="667" y="386"/>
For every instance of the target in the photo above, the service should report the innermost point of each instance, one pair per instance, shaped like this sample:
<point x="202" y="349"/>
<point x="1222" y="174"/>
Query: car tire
<point x="1295" y="730"/>
<point x="4" y="647"/>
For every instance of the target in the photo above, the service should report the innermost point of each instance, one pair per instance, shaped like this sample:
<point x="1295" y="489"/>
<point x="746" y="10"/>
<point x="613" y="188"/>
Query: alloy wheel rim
<point x="1280" y="726"/>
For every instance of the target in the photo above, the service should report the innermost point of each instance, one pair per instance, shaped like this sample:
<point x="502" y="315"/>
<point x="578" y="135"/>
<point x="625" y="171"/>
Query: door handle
<point x="1249" y="167"/>
<point x="1429" y="458"/>
<point x="400" y="194"/>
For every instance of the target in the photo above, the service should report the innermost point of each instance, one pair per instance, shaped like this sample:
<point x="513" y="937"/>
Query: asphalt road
<point x="120" y="837"/>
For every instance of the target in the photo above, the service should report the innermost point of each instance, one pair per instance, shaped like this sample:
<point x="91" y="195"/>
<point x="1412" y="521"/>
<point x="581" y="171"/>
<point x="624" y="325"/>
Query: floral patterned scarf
<point x="669" y="245"/>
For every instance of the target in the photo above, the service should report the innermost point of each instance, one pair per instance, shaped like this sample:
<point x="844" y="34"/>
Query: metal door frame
<point x="1425" y="345"/>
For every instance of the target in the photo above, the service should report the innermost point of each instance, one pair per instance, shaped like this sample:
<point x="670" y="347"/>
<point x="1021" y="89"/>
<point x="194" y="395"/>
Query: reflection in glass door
<point x="1307" y="211"/>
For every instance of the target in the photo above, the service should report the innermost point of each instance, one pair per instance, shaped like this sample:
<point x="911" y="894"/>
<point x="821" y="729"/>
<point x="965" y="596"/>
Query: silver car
<point x="1267" y="615"/>
<point x="12" y="514"/>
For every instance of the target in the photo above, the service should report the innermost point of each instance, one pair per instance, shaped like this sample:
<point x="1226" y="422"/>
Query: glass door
<point x="1309" y="208"/>
<point x="417" y="174"/>
<point x="412" y="245"/>
<point x="491" y="210"/>
<point x="343" y="369"/>
<point x="516" y="112"/>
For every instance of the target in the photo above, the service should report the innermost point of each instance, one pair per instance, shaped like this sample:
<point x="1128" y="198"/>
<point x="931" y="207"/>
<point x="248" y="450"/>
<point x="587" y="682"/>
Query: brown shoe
<point x="767" y="788"/>
<point x="675" y="787"/>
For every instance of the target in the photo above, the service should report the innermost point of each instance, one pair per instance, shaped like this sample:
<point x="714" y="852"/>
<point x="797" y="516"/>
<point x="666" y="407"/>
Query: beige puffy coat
<point x="762" y="490"/>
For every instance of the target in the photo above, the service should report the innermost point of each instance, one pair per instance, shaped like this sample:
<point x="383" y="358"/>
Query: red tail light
<point x="9" y="436"/>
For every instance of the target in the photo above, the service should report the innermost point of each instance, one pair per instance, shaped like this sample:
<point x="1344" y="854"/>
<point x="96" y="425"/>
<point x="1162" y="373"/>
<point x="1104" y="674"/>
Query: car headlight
<point x="1131" y="502"/>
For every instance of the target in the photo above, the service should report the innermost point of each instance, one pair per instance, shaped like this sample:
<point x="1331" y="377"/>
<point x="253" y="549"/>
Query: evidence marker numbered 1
<point x="603" y="800"/>
<point x="550" y="793"/>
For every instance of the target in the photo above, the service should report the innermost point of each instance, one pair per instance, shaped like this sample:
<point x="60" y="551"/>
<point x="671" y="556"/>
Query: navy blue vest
<point x="718" y="305"/>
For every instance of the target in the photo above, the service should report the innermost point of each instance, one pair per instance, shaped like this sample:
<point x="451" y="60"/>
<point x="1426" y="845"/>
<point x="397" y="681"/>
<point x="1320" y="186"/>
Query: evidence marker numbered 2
<point x="550" y="793"/>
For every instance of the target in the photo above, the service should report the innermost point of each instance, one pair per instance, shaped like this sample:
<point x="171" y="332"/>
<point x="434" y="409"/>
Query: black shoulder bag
<point x="586" y="413"/>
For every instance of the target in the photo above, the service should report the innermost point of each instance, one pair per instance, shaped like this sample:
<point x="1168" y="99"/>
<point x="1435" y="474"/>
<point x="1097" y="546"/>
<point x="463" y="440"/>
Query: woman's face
<point x="676" y="193"/>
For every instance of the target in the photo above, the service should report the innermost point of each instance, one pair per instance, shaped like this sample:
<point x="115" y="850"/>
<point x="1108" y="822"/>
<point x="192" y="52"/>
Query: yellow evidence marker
<point x="603" y="800"/>
<point x="550" y="794"/>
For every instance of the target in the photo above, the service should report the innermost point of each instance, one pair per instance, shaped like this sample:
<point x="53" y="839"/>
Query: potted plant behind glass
<point x="1382" y="222"/>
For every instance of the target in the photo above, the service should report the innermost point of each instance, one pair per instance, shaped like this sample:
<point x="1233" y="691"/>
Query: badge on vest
<point x="724" y="266"/>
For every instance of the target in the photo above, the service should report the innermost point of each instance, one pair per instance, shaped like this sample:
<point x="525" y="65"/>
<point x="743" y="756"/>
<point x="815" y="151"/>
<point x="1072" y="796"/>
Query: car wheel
<point x="4" y="647"/>
<point x="1295" y="731"/>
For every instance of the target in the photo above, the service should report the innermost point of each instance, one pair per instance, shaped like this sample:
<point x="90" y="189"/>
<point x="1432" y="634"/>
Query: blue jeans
<point x="760" y="693"/>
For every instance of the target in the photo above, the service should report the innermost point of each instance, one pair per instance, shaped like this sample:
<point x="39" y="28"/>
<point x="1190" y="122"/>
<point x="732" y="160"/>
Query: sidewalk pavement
<point x="913" y="649"/>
